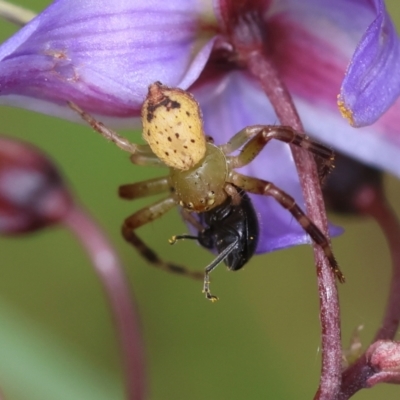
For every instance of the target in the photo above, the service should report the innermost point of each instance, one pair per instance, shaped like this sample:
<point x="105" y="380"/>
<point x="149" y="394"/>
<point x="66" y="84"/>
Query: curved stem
<point x="263" y="69"/>
<point x="385" y="216"/>
<point x="372" y="202"/>
<point x="111" y="274"/>
<point x="15" y="14"/>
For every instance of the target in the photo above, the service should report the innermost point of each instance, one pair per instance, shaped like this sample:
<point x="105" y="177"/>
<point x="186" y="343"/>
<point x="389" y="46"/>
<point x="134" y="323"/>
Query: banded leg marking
<point x="142" y="217"/>
<point x="258" y="136"/>
<point x="266" y="188"/>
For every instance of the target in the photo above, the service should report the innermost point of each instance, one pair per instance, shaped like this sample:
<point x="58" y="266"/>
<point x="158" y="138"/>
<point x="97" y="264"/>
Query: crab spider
<point x="202" y="176"/>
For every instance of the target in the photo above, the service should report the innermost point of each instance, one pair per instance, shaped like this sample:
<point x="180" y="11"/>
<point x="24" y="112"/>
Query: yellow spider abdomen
<point x="173" y="126"/>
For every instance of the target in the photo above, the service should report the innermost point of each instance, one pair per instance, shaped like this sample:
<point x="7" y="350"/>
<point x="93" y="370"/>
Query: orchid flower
<point x="103" y="56"/>
<point x="336" y="58"/>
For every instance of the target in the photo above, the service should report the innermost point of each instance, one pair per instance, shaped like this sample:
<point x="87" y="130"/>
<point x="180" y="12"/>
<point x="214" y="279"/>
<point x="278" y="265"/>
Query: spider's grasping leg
<point x="188" y="217"/>
<point x="143" y="189"/>
<point x="240" y="138"/>
<point x="107" y="133"/>
<point x="260" y="135"/>
<point x="145" y="156"/>
<point x="142" y="217"/>
<point x="258" y="186"/>
<point x="141" y="154"/>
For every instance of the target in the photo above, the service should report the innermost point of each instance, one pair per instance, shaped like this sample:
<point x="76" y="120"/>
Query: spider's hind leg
<point x="142" y="217"/>
<point x="259" y="186"/>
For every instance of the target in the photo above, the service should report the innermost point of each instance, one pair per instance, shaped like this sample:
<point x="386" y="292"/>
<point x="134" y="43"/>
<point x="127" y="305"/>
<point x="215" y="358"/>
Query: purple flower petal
<point x="377" y="145"/>
<point x="240" y="103"/>
<point x="103" y="55"/>
<point x="313" y="42"/>
<point x="372" y="81"/>
<point x="348" y="18"/>
<point x="313" y="68"/>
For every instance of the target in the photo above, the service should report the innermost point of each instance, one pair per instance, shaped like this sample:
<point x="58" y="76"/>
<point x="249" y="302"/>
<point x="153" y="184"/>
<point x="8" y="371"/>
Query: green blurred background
<point x="260" y="340"/>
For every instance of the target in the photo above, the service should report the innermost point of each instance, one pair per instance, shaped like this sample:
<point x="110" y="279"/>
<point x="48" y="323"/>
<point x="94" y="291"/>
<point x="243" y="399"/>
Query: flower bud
<point x="346" y="180"/>
<point x="384" y="358"/>
<point x="32" y="192"/>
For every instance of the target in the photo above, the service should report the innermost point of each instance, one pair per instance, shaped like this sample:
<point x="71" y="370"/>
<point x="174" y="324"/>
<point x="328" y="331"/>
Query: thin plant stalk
<point x="111" y="274"/>
<point x="248" y="41"/>
<point x="15" y="14"/>
<point x="372" y="202"/>
<point x="329" y="303"/>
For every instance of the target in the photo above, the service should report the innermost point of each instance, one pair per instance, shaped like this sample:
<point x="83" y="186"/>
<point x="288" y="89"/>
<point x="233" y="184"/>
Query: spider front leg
<point x="141" y="154"/>
<point x="258" y="186"/>
<point x="260" y="135"/>
<point x="144" y="216"/>
<point x="137" y="190"/>
<point x="240" y="138"/>
<point x="188" y="217"/>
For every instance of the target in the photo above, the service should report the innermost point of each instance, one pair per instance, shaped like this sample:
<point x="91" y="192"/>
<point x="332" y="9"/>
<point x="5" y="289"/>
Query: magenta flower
<point x="103" y="56"/>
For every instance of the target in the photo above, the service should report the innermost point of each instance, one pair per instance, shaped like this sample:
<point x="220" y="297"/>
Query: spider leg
<point x="145" y="156"/>
<point x="240" y="138"/>
<point x="142" y="217"/>
<point x="233" y="194"/>
<point x="109" y="134"/>
<point x="187" y="216"/>
<point x="142" y="189"/>
<point x="258" y="186"/>
<point x="260" y="135"/>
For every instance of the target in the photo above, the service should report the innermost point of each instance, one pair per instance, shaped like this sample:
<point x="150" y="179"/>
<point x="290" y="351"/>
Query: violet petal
<point x="377" y="145"/>
<point x="372" y="81"/>
<point x="103" y="55"/>
<point x="313" y="67"/>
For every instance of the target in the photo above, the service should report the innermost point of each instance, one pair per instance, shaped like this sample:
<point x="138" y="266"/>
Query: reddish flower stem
<point x="384" y="215"/>
<point x="372" y="202"/>
<point x="263" y="69"/>
<point x="111" y="274"/>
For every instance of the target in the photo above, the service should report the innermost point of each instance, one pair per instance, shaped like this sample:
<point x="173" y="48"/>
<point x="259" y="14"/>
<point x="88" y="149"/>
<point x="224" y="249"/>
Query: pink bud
<point x="32" y="192"/>
<point x="384" y="358"/>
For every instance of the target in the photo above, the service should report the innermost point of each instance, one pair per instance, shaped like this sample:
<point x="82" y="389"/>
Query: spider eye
<point x="189" y="205"/>
<point x="210" y="198"/>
